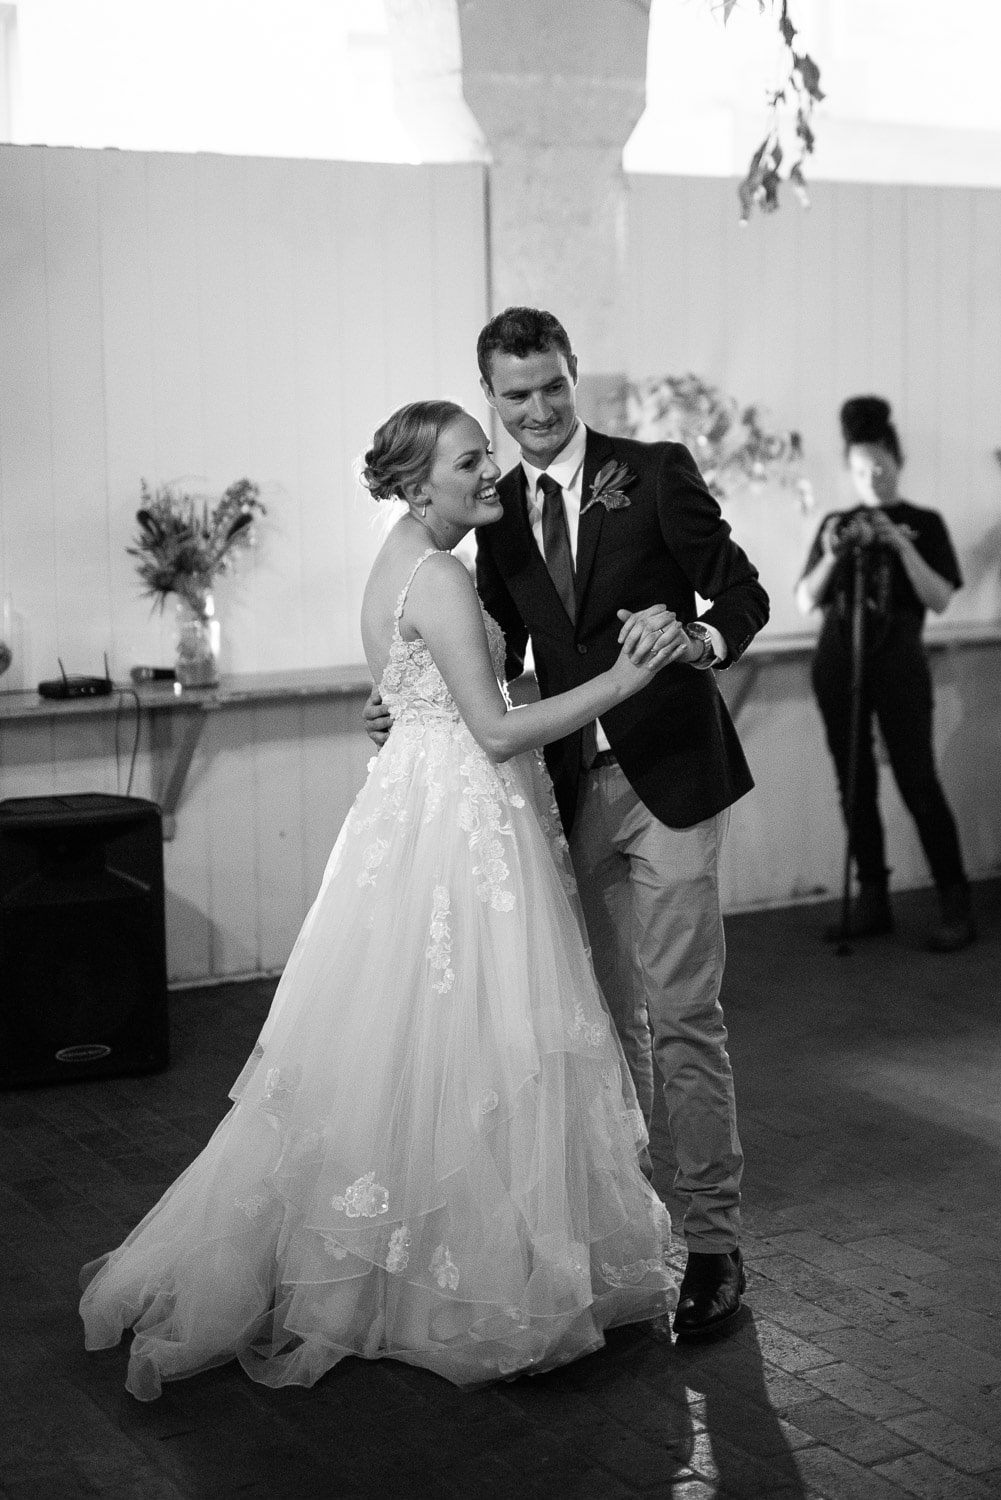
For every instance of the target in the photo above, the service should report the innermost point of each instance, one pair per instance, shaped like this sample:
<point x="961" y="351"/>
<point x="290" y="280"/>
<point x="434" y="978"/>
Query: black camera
<point x="855" y="532"/>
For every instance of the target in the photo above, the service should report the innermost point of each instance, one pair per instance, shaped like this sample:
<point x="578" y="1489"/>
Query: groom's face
<point x="534" y="397"/>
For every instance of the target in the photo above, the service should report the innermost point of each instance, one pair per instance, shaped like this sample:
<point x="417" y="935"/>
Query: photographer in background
<point x="905" y="559"/>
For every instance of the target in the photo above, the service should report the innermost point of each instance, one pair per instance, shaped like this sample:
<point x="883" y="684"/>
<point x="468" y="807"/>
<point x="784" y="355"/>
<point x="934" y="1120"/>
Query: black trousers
<point x="897" y="691"/>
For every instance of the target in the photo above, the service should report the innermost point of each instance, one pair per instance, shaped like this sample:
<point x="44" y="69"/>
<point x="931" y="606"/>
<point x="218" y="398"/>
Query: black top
<point x="889" y="591"/>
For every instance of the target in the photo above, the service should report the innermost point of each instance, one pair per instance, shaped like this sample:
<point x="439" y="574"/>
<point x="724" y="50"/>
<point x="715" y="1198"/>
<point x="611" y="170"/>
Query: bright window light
<point x="303" y="78"/>
<point x="911" y="89"/>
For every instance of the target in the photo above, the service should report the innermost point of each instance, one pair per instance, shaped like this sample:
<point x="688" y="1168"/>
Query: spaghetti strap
<point x="401" y="601"/>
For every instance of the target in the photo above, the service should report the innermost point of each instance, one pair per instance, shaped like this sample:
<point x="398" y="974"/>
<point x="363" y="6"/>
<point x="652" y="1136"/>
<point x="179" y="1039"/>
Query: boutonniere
<point x="608" y="486"/>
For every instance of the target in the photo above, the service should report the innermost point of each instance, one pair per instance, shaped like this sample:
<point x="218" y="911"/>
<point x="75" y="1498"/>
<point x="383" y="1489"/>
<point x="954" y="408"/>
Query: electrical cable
<point x="124" y="692"/>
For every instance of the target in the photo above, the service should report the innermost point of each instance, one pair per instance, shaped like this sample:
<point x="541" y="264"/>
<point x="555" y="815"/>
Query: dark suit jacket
<point x="674" y="740"/>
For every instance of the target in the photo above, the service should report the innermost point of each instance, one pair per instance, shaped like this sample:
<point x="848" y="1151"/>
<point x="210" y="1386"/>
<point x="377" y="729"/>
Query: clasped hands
<point x="654" y="637"/>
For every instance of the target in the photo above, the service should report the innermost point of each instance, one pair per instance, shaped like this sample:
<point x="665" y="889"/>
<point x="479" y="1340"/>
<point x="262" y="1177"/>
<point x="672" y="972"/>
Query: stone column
<point x="557" y="87"/>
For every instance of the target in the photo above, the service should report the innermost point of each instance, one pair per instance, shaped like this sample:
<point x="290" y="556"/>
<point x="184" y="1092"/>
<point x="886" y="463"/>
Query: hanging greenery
<point x="794" y="99"/>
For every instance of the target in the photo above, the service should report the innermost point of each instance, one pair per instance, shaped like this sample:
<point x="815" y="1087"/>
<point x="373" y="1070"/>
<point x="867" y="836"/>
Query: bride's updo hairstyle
<point x="866" y="419"/>
<point x="403" y="448"/>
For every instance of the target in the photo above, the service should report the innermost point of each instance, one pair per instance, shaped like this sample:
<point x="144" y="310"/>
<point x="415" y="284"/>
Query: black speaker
<point x="83" y="963"/>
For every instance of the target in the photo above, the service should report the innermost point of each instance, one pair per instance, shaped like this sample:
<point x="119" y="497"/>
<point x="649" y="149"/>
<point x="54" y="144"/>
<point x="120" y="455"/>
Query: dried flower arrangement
<point x="182" y="545"/>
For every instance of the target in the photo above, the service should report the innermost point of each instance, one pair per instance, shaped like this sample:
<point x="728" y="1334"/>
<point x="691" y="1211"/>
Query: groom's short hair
<point x="520" y="331"/>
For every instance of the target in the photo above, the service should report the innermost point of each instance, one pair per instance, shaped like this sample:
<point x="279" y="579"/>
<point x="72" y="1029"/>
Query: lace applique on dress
<point x="411" y="687"/>
<point x="280" y="1087"/>
<point x="364" y="1199"/>
<point x="505" y="773"/>
<point x="580" y="1029"/>
<point x="371" y="860"/>
<point x="439" y="950"/>
<point x="415" y="693"/>
<point x="398" y="1255"/>
<point x="480" y="816"/>
<point x="444" y="1269"/>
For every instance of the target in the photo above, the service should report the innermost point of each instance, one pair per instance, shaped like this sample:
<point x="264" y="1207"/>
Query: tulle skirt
<point x="433" y="1150"/>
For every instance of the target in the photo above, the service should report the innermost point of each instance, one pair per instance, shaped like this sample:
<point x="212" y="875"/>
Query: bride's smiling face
<point x="460" y="489"/>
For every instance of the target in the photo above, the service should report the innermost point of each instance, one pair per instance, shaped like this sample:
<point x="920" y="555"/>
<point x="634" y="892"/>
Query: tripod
<point x="860" y="563"/>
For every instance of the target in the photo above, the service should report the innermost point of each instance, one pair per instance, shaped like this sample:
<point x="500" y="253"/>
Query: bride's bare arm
<point x="442" y="607"/>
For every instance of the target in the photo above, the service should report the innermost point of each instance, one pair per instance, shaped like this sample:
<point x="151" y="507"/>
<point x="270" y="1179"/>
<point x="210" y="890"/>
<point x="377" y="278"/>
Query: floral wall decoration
<point x="735" y="447"/>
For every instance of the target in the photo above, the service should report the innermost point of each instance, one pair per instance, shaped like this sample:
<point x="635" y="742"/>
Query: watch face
<point x="697" y="631"/>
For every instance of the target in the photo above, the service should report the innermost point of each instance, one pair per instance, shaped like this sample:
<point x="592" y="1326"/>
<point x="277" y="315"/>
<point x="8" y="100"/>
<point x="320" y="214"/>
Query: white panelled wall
<point x="875" y="288"/>
<point x="201" y="318"/>
<point x="205" y="317"/>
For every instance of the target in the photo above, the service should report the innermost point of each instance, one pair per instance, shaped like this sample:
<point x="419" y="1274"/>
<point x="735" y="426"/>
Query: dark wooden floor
<point x="867" y="1364"/>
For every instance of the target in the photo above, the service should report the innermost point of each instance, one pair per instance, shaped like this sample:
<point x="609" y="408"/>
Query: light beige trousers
<point x="651" y="903"/>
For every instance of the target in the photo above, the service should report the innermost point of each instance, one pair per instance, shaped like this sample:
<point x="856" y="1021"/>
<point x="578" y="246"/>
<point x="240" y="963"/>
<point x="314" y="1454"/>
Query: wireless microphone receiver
<point x="77" y="687"/>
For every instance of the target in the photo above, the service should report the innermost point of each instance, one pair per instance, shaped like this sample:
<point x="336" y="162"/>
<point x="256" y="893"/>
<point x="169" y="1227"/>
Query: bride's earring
<point x="424" y="510"/>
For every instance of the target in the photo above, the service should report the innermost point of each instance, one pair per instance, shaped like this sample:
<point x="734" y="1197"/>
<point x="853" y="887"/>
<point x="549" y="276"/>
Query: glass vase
<point x="196" y="664"/>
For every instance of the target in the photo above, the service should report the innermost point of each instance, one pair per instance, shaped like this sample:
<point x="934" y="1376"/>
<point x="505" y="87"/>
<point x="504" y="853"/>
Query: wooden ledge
<point x="233" y="690"/>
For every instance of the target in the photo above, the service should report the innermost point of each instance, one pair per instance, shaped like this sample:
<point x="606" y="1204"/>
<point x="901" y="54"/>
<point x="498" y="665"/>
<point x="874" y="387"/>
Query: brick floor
<point x="867" y="1362"/>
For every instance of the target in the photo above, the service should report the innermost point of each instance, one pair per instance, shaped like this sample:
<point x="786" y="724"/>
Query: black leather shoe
<point x="709" y="1296"/>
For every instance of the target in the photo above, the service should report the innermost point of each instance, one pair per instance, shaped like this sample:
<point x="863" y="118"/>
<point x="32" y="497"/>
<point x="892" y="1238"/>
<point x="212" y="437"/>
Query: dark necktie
<point x="559" y="561"/>
<point x="556" y="542"/>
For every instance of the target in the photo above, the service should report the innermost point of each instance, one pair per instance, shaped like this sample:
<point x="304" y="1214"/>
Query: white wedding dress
<point x="432" y="1154"/>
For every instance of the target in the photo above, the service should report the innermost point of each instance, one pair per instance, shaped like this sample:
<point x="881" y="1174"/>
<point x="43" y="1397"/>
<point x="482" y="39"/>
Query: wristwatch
<point x="697" y="631"/>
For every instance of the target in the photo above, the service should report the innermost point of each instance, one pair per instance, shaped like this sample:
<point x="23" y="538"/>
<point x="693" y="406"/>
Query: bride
<point x="433" y="1151"/>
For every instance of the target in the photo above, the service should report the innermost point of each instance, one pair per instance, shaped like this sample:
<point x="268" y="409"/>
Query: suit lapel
<point x="597" y="452"/>
<point x="512" y="491"/>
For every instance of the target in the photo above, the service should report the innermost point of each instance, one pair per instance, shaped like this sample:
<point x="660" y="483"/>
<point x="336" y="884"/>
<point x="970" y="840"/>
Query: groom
<point x="593" y="524"/>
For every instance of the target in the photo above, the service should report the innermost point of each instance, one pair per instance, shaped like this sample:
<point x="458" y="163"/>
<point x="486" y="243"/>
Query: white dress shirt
<point x="568" y="471"/>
